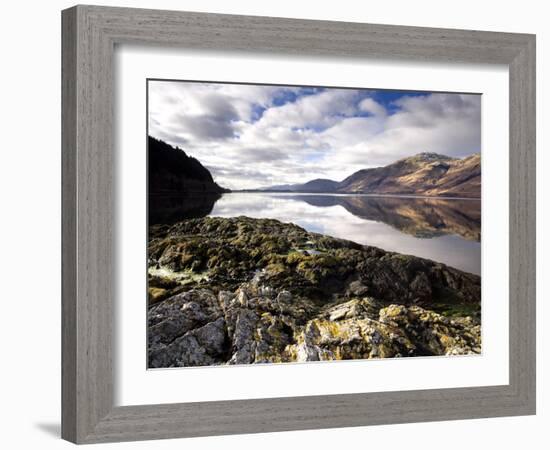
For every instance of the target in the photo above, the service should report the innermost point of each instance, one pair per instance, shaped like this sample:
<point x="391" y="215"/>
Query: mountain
<point x="172" y="171"/>
<point x="423" y="174"/>
<point x="427" y="174"/>
<point x="463" y="179"/>
<point x="318" y="185"/>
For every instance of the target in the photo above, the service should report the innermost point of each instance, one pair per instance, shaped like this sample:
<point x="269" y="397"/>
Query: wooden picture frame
<point x="90" y="34"/>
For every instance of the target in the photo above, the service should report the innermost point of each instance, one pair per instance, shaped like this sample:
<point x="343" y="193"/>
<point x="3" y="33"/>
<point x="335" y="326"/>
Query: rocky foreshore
<point x="242" y="291"/>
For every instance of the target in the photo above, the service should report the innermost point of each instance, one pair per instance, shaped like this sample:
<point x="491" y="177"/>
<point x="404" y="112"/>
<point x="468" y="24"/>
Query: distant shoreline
<point x="351" y="194"/>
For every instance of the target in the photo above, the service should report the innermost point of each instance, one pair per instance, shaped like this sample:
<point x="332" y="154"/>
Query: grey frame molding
<point x="89" y="36"/>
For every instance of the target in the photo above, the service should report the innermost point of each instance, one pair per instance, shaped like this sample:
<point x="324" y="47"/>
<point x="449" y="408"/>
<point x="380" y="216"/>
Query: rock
<point x="202" y="346"/>
<point x="366" y="307"/>
<point x="174" y="317"/>
<point x="358" y="289"/>
<point x="272" y="255"/>
<point x="261" y="296"/>
<point x="242" y="298"/>
<point x="284" y="297"/>
<point x="273" y="335"/>
<point x="186" y="351"/>
<point x="225" y="298"/>
<point x="307" y="349"/>
<point x="212" y="337"/>
<point x="355" y="339"/>
<point x="305" y="352"/>
<point x="156" y="294"/>
<point x="198" y="333"/>
<point x="421" y="286"/>
<point x="244" y="344"/>
<point x="433" y="333"/>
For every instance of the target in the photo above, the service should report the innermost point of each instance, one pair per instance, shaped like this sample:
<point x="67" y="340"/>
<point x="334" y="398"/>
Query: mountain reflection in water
<point x="443" y="230"/>
<point x="419" y="217"/>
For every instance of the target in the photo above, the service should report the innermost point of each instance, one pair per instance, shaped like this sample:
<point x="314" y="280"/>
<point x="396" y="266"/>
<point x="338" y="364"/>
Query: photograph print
<point x="291" y="224"/>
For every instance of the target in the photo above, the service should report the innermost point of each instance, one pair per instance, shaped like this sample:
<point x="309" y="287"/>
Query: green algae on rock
<point x="242" y="290"/>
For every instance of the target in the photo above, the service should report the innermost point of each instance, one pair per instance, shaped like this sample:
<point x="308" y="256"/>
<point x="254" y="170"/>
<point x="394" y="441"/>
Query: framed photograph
<point x="278" y="224"/>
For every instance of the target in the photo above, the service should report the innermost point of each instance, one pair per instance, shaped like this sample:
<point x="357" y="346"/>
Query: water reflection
<point x="444" y="230"/>
<point x="420" y="217"/>
<point x="168" y="209"/>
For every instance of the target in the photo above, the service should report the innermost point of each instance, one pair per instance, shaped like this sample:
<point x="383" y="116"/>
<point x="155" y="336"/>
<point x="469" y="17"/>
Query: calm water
<point x="443" y="230"/>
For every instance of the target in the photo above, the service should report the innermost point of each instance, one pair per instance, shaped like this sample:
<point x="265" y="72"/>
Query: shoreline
<point x="356" y="194"/>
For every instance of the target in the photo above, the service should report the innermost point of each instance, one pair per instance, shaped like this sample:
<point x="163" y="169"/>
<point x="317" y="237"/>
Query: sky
<point x="253" y="136"/>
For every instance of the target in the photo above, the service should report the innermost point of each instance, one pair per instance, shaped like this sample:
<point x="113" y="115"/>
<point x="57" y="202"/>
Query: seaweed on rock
<point x="241" y="290"/>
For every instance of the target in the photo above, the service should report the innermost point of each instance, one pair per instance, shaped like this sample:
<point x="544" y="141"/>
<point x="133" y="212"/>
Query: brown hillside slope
<point x="422" y="174"/>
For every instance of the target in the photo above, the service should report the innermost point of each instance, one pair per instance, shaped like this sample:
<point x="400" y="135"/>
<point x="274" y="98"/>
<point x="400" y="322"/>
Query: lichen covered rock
<point x="210" y="331"/>
<point x="220" y="254"/>
<point x="244" y="291"/>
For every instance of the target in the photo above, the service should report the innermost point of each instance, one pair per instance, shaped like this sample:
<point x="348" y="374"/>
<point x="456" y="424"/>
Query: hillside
<point x="428" y="174"/>
<point x="172" y="171"/>
<point x="318" y="185"/>
<point x="423" y="174"/>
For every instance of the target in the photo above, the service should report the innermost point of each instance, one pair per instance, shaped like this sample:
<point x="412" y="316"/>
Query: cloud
<point x="373" y="107"/>
<point x="251" y="136"/>
<point x="262" y="155"/>
<point x="319" y="110"/>
<point x="206" y="127"/>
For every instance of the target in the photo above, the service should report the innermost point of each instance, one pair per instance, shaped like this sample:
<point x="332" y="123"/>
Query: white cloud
<point x="373" y="107"/>
<point x="251" y="136"/>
